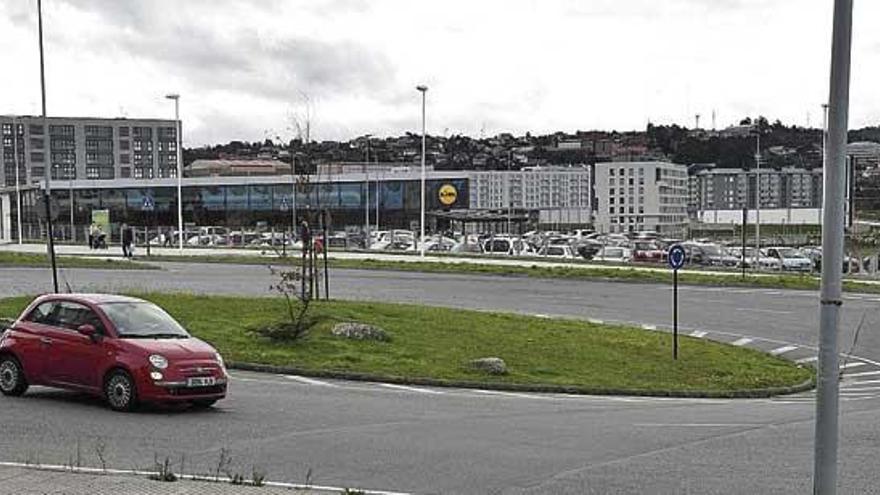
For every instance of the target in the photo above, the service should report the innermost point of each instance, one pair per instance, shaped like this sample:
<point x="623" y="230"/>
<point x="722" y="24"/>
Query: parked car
<point x="562" y="251"/>
<point x="614" y="254"/>
<point x="123" y="349"/>
<point x="510" y="246"/>
<point x="792" y="259"/>
<point x="647" y="252"/>
<point x="760" y="261"/>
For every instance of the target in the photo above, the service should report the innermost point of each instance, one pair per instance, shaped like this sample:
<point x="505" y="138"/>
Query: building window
<point x="125" y="158"/>
<point x="611" y="201"/>
<point x="124" y="145"/>
<point x="36" y="130"/>
<point x="123" y="131"/>
<point x="38" y="157"/>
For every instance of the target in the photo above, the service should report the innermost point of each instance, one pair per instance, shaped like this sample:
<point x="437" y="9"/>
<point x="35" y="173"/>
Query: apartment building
<point x="735" y="189"/>
<point x="560" y="194"/>
<point x="641" y="196"/>
<point x="86" y="148"/>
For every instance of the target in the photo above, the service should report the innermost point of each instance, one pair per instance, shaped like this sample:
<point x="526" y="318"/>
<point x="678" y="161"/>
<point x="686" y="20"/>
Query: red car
<point x="123" y="349"/>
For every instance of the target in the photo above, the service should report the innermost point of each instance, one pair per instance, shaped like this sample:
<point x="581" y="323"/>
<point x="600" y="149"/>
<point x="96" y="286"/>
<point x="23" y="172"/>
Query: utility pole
<point x="17" y="178"/>
<point x="367" y="197"/>
<point x="47" y="191"/>
<point x="828" y="387"/>
<point x="758" y="188"/>
<point x="422" y="89"/>
<point x="509" y="196"/>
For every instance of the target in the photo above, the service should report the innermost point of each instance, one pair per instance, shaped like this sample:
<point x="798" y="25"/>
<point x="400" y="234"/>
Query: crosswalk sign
<point x="149" y="204"/>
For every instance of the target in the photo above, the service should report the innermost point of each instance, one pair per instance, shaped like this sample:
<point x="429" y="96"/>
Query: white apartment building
<point x="86" y="148"/>
<point x="641" y="196"/>
<point x="560" y="194"/>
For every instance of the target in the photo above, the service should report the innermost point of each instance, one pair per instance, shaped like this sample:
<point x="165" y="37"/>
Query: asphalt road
<point x="454" y="441"/>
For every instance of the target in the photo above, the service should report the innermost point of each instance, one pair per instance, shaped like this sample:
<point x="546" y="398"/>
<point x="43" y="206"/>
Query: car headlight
<point x="219" y="359"/>
<point x="158" y="361"/>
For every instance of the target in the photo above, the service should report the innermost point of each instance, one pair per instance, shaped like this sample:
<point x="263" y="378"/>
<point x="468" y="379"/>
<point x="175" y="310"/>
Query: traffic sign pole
<point x="675" y="257"/>
<point x="675" y="314"/>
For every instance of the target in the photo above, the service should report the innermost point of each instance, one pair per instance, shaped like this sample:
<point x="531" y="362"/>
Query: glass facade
<point x="247" y="205"/>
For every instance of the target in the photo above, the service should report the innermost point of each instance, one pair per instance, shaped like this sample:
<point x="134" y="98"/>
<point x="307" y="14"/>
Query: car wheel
<point x="12" y="381"/>
<point x="120" y="391"/>
<point x="203" y="404"/>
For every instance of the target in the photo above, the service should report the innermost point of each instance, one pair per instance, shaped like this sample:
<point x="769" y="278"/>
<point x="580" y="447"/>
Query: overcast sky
<point x="244" y="67"/>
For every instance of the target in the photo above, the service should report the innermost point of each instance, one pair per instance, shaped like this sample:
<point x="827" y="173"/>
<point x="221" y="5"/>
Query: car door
<point x="76" y="356"/>
<point x="33" y="345"/>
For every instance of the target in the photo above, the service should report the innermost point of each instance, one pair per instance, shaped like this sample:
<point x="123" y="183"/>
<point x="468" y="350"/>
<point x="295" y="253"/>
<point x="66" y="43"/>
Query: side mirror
<point x="89" y="331"/>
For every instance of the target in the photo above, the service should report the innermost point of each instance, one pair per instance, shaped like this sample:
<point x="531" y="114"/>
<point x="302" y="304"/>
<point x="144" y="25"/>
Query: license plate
<point x="201" y="381"/>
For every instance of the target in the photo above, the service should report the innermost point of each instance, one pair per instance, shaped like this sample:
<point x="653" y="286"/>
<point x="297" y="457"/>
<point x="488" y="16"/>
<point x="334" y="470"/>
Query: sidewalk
<point x="32" y="481"/>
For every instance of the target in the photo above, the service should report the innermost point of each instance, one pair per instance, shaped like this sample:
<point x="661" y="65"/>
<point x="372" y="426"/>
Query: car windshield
<point x="789" y="253"/>
<point x="711" y="250"/>
<point x="143" y="320"/>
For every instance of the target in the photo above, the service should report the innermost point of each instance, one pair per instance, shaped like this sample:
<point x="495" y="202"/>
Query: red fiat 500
<point x="121" y="348"/>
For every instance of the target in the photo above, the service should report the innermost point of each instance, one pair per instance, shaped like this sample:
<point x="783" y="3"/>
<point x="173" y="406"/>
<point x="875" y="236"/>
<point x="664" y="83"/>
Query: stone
<point x="490" y="365"/>
<point x="360" y="331"/>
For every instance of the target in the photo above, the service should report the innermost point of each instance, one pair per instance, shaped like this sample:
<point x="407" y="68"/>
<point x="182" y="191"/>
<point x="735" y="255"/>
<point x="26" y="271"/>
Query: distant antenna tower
<point x="713" y="119"/>
<point x="808" y="119"/>
<point x="697" y="121"/>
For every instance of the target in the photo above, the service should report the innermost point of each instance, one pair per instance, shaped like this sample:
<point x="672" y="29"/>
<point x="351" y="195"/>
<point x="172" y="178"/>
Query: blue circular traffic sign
<point x="676" y="257"/>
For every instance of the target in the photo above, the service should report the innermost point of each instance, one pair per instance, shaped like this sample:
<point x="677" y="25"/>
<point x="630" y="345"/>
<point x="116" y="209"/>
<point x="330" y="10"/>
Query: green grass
<point x="432" y="342"/>
<point x="577" y="271"/>
<point x="8" y="259"/>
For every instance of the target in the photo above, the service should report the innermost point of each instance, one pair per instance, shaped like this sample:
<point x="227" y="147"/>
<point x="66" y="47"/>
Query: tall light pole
<point x="828" y="386"/>
<point x="17" y="178"/>
<point x="423" y="89"/>
<point x="824" y="143"/>
<point x="367" y="196"/>
<point x="177" y="126"/>
<point x="758" y="187"/>
<point x="47" y="191"/>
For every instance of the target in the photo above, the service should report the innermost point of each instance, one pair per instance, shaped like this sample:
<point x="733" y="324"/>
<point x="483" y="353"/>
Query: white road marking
<point x="772" y="292"/>
<point x="743" y="341"/>
<point x="807" y="359"/>
<point x="859" y="384"/>
<point x="783" y="350"/>
<point x="594" y="321"/>
<point x="698" y="334"/>
<point x="410" y="389"/>
<point x="771" y="311"/>
<point x="540" y="315"/>
<point x="649" y="327"/>
<point x="700" y="425"/>
<point x="864" y="373"/>
<point x="130" y="472"/>
<point x="509" y="394"/>
<point x="309" y="381"/>
<point x="852" y="364"/>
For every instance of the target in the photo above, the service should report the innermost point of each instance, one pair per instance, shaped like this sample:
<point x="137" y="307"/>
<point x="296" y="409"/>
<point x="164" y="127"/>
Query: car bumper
<point x="175" y="389"/>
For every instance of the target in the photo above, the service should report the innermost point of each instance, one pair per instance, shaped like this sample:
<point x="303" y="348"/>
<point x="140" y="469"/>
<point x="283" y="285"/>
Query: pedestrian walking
<point x="93" y="234"/>
<point x="127" y="239"/>
<point x="167" y="237"/>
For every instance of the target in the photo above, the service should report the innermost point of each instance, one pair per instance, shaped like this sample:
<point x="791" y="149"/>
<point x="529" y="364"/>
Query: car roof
<point x="95" y="298"/>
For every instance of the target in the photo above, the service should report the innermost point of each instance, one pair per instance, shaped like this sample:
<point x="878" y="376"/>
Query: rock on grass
<point x="360" y="331"/>
<point x="490" y="365"/>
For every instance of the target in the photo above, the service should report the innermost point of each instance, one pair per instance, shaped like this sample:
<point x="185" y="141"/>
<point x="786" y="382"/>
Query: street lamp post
<point x="367" y="196"/>
<point x="17" y="178"/>
<point x="828" y="374"/>
<point x="47" y="192"/>
<point x="758" y="187"/>
<point x="177" y="126"/>
<point x="423" y="89"/>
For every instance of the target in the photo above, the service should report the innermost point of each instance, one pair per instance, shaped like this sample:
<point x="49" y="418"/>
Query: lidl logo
<point x="448" y="194"/>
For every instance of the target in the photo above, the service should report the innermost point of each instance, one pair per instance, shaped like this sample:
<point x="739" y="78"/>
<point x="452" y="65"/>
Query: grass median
<point x="28" y="260"/>
<point x="437" y="343"/>
<point x="578" y="270"/>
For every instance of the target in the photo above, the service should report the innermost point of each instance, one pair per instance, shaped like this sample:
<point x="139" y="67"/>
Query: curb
<point x="760" y="393"/>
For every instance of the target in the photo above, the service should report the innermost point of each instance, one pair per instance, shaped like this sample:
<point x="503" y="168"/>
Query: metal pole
<point x="47" y="191"/>
<point x="758" y="191"/>
<point x="675" y="314"/>
<point x="367" y="197"/>
<point x="509" y="197"/>
<point x="70" y="191"/>
<point x="825" y="447"/>
<point x="326" y="271"/>
<point x="423" y="90"/>
<point x="17" y="179"/>
<point x="292" y="195"/>
<point x="744" y="223"/>
<point x="378" y="188"/>
<point x="179" y="127"/>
